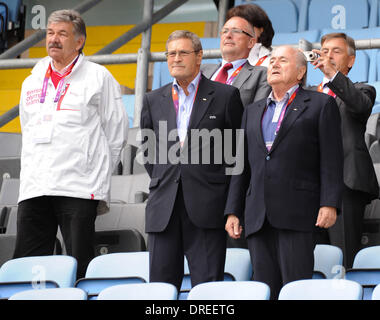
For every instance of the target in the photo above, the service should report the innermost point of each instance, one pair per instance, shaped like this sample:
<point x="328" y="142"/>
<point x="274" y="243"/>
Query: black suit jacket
<point x="205" y="186"/>
<point x="355" y="102"/>
<point x="302" y="172"/>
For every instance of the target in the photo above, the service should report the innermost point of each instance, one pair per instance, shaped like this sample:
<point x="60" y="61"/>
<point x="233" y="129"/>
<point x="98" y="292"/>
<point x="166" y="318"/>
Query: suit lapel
<point x="202" y="101"/>
<point x="257" y="127"/>
<point x="295" y="109"/>
<point x="167" y="108"/>
<point x="243" y="75"/>
<point x="210" y="69"/>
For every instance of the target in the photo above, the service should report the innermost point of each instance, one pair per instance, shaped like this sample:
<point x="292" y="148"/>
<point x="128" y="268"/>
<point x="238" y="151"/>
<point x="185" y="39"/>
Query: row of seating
<point x="118" y="269"/>
<point x="304" y="15"/>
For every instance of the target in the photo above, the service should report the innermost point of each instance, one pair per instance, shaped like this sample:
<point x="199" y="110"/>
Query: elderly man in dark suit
<point x="292" y="179"/>
<point x="237" y="40"/>
<point x="355" y="102"/>
<point x="185" y="209"/>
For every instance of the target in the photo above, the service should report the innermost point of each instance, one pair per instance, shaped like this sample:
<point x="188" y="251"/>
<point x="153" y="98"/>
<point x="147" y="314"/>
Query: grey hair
<point x="72" y="16"/>
<point x="185" y="34"/>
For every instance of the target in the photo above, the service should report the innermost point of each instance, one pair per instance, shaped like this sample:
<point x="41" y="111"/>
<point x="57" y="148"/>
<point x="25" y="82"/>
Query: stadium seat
<point x="328" y="260"/>
<point x="37" y="272"/>
<point x="367" y="258"/>
<point x="114" y="269"/>
<point x="338" y="15"/>
<point x="140" y="291"/>
<point x="126" y="188"/>
<point x="367" y="278"/>
<point x="114" y="241"/>
<point x="238" y="264"/>
<point x="7" y="246"/>
<point x="294" y="37"/>
<point x="51" y="294"/>
<point x="230" y="290"/>
<point x="321" y="289"/>
<point x="374" y="152"/>
<point x="376" y="293"/>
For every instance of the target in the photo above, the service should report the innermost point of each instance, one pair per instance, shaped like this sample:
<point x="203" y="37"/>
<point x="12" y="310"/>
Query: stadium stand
<point x="122" y="231"/>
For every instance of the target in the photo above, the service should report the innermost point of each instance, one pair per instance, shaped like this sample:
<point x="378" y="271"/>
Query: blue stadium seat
<point x="321" y="289"/>
<point x="37" y="272"/>
<point x="114" y="269"/>
<point x="367" y="278"/>
<point x="282" y="13"/>
<point x="51" y="294"/>
<point x="13" y="9"/>
<point x="301" y="7"/>
<point x="161" y="74"/>
<point x="358" y="73"/>
<point x="294" y="37"/>
<point x="342" y="14"/>
<point x="233" y="290"/>
<point x="328" y="260"/>
<point x="140" y="291"/>
<point x="376" y="293"/>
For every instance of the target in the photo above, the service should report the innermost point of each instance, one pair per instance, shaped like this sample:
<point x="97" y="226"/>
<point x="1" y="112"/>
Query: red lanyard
<point x="235" y="73"/>
<point x="284" y="110"/>
<point x="261" y="60"/>
<point x="60" y="84"/>
<point x="330" y="92"/>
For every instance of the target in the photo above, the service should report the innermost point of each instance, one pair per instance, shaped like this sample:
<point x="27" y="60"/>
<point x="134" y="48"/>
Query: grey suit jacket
<point x="251" y="81"/>
<point x="355" y="102"/>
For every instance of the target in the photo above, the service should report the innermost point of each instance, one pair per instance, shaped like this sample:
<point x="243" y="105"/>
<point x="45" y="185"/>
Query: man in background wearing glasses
<point x="236" y="41"/>
<point x="184" y="213"/>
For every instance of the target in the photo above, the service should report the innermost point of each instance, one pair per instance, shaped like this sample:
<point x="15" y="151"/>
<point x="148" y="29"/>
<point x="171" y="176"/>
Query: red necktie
<point x="331" y="93"/>
<point x="223" y="74"/>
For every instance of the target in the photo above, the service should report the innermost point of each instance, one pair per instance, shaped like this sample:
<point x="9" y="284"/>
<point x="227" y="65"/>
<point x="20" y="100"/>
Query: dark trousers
<point x="346" y="233"/>
<point x="38" y="220"/>
<point x="205" y="250"/>
<point x="281" y="256"/>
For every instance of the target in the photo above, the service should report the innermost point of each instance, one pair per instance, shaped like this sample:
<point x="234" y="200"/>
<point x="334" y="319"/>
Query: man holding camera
<point x="355" y="102"/>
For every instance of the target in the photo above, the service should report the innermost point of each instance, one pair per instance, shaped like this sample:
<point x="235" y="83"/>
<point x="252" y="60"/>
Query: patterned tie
<point x="223" y="74"/>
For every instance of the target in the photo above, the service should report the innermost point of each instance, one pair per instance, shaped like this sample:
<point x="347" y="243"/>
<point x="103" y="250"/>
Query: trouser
<point x="347" y="231"/>
<point x="38" y="220"/>
<point x="281" y="256"/>
<point x="205" y="250"/>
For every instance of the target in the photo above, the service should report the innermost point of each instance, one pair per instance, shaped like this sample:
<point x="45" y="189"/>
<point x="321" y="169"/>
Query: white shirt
<point x="257" y="52"/>
<point x="185" y="105"/>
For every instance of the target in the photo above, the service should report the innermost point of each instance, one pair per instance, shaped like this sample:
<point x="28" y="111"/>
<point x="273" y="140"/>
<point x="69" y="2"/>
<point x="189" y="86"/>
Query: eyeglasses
<point x="235" y="31"/>
<point x="181" y="53"/>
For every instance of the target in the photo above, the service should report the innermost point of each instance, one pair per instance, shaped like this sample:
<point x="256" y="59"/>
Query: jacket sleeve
<point x="359" y="98"/>
<point x="331" y="155"/>
<point x="146" y="125"/>
<point x="114" y="117"/>
<point x="240" y="181"/>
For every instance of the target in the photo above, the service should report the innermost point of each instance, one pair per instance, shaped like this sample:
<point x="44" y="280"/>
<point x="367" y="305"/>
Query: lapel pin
<point x="204" y="99"/>
<point x="295" y="109"/>
<point x="212" y="117"/>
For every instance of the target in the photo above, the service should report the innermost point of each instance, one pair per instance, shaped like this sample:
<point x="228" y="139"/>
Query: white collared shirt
<point x="64" y="69"/>
<point x="257" y="52"/>
<point x="185" y="105"/>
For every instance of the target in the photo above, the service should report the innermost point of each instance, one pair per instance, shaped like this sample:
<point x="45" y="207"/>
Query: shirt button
<point x="267" y="158"/>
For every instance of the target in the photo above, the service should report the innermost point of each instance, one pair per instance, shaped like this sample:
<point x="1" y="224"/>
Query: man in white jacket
<point x="74" y="126"/>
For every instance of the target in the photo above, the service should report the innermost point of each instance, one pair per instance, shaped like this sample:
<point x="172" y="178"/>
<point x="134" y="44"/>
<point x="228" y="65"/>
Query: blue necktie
<point x="268" y="126"/>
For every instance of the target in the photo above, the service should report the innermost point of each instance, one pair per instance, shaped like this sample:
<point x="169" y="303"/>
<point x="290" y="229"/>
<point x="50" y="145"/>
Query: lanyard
<point x="60" y="84"/>
<point x="234" y="74"/>
<point x="176" y="97"/>
<point x="261" y="60"/>
<point x="330" y="92"/>
<point x="284" y="110"/>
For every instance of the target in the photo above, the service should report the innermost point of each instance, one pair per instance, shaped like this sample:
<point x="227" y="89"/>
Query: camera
<point x="311" y="56"/>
